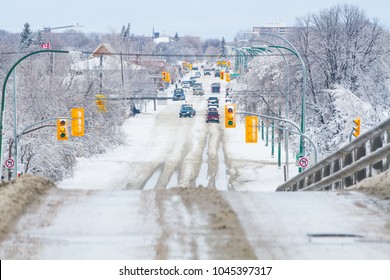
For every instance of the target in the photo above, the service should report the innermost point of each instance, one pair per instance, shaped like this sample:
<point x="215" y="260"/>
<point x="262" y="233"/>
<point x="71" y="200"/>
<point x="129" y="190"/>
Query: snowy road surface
<point x="183" y="189"/>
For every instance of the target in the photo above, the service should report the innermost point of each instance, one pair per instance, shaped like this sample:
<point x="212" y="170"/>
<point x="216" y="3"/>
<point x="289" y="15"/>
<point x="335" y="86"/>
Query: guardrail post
<point x="336" y="165"/>
<point x="361" y="174"/>
<point x="348" y="159"/>
<point x="377" y="143"/>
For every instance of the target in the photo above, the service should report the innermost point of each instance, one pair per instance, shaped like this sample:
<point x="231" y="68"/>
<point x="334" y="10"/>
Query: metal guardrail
<point x="367" y="155"/>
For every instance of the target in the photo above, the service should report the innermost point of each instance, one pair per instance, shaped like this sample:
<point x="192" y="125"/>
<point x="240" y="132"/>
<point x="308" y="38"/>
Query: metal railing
<point x="367" y="155"/>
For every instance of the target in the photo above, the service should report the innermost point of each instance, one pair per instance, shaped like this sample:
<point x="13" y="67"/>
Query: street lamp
<point x="45" y="29"/>
<point x="303" y="97"/>
<point x="3" y="98"/>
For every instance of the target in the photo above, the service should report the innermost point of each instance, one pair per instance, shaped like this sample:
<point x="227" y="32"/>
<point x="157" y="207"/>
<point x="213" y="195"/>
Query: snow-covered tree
<point x="25" y="37"/>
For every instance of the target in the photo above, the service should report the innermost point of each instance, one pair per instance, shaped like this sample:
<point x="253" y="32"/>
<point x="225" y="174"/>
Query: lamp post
<point x="3" y="99"/>
<point x="303" y="95"/>
<point x="254" y="50"/>
<point x="45" y="29"/>
<point x="287" y="102"/>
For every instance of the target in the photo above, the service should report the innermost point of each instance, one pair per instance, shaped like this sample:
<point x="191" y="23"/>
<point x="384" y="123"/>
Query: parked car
<point x="206" y="72"/>
<point x="217" y="73"/>
<point x="187" y="110"/>
<point x="212" y="116"/>
<point x="197" y="74"/>
<point x="215" y="88"/>
<point x="178" y="94"/>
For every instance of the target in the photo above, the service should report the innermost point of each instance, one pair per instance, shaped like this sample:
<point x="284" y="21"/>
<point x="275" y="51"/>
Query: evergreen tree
<point x="176" y="38"/>
<point x="39" y="38"/>
<point x="127" y="32"/>
<point x="223" y="48"/>
<point x="25" y="37"/>
<point x="123" y="31"/>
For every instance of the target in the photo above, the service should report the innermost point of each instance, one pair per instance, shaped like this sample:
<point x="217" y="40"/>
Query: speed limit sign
<point x="9" y="163"/>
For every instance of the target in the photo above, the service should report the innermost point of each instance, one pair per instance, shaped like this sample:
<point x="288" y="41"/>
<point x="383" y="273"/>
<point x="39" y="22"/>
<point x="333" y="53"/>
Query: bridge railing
<point x="367" y="155"/>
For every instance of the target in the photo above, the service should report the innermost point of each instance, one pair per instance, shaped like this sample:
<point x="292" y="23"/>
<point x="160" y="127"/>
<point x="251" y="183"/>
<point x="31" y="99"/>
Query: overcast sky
<point x="203" y="18"/>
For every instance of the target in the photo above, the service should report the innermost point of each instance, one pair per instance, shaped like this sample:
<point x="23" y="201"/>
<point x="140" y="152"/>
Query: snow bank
<point x="16" y="195"/>
<point x="378" y="185"/>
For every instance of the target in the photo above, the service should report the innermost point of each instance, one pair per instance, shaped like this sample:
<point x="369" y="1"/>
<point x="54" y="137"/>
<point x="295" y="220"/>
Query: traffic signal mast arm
<point x="27" y="128"/>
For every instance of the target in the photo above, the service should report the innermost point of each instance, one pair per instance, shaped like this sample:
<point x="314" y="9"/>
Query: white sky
<point x="206" y="19"/>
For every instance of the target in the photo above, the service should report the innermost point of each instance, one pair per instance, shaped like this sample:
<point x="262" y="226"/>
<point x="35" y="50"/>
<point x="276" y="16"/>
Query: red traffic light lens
<point x="62" y="122"/>
<point x="230" y="110"/>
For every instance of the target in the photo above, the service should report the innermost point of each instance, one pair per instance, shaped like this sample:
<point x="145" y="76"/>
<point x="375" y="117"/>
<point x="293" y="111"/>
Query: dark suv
<point x="178" y="94"/>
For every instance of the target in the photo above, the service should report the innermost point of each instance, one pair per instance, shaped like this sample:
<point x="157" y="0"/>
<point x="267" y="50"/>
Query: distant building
<point x="274" y="28"/>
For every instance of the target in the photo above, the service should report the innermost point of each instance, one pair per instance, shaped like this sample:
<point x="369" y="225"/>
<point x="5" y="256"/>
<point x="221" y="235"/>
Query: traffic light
<point x="356" y="128"/>
<point x="164" y="76"/>
<point x="227" y="77"/>
<point x="230" y="115"/>
<point x="221" y="75"/>
<point x="101" y="102"/>
<point x="251" y="130"/>
<point x="77" y="123"/>
<point x="62" y="129"/>
<point x="168" y="77"/>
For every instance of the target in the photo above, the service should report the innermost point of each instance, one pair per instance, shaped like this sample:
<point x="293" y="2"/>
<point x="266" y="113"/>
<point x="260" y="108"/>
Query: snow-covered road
<point x="183" y="189"/>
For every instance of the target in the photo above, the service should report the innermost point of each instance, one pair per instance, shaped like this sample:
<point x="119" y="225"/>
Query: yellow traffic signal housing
<point x="227" y="77"/>
<point x="77" y="123"/>
<point x="251" y="130"/>
<point x="164" y="76"/>
<point x="356" y="128"/>
<point x="101" y="102"/>
<point x="62" y="129"/>
<point x="230" y="115"/>
<point x="221" y="75"/>
<point x="168" y="77"/>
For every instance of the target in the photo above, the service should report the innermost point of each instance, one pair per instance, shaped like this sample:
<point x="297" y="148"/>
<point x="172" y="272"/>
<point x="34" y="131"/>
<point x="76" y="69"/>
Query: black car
<point x="215" y="88"/>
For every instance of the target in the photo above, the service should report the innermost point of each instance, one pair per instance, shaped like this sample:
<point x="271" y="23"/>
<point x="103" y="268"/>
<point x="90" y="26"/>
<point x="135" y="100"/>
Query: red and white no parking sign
<point x="9" y="163"/>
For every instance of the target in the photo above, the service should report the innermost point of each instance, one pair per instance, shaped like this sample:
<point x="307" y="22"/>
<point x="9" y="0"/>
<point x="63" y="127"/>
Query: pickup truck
<point x="187" y="110"/>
